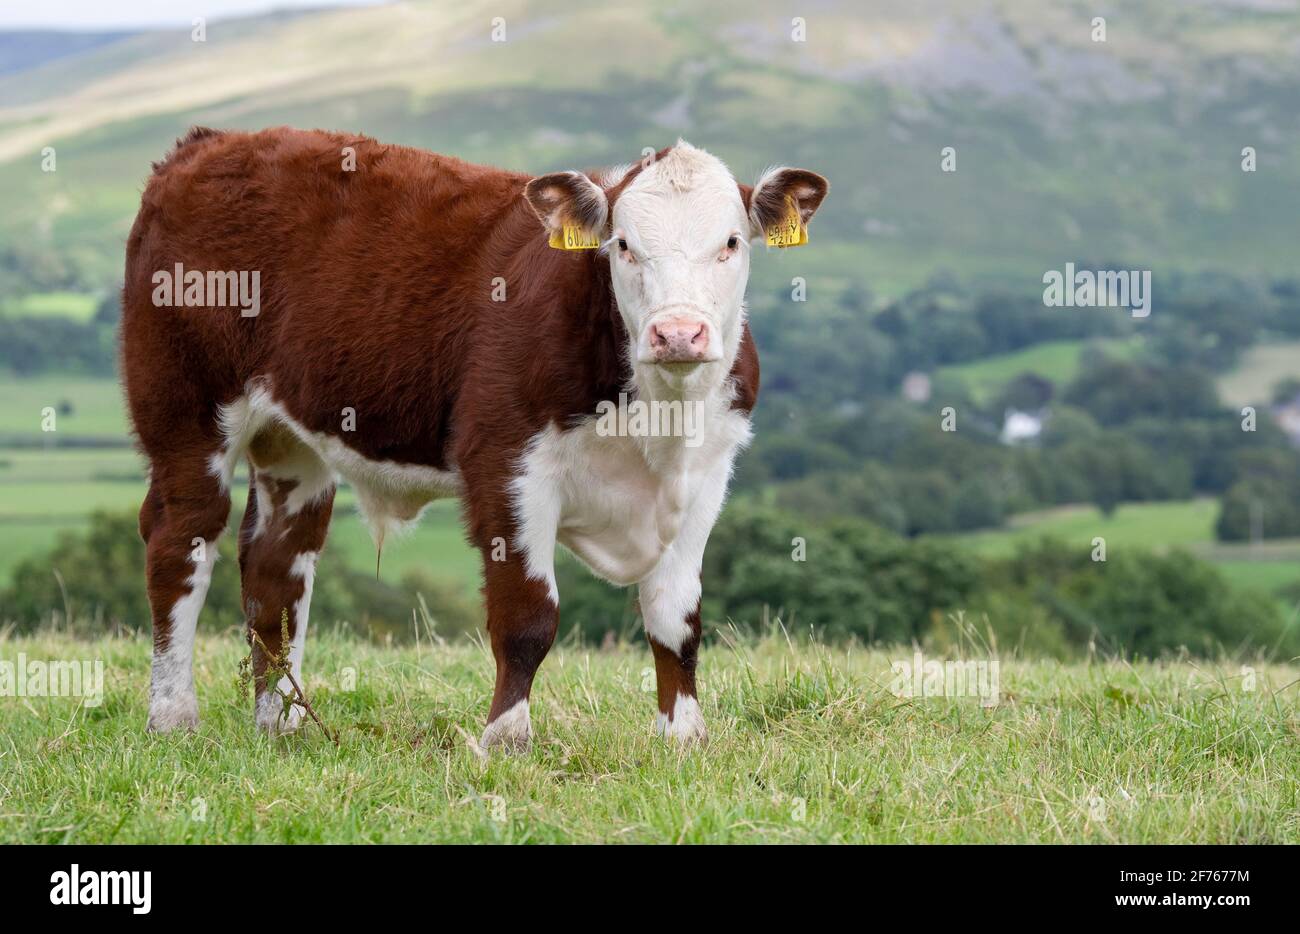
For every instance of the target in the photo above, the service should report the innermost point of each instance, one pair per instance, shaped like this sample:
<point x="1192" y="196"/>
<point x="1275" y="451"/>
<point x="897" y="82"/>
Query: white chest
<point x="620" y="502"/>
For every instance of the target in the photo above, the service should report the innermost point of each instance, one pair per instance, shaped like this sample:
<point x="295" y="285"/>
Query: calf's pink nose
<point x="679" y="340"/>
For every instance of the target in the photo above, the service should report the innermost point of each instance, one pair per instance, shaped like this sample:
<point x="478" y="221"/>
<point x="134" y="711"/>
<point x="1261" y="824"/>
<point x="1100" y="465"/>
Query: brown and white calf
<point x="415" y="333"/>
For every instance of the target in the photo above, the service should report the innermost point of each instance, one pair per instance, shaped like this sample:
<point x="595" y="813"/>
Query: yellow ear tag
<point x="573" y="237"/>
<point x="790" y="231"/>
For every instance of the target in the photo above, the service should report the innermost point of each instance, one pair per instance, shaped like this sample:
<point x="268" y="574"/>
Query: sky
<point x="136" y="14"/>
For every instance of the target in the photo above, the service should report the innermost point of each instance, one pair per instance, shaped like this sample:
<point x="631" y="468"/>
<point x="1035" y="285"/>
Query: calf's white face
<point x="678" y="242"/>
<point x="679" y="261"/>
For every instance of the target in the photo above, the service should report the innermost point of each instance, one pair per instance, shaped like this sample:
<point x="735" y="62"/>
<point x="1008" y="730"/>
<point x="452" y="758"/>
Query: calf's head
<point x="677" y="230"/>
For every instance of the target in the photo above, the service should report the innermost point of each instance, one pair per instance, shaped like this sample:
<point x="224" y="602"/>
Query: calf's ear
<point x="568" y="198"/>
<point x="768" y="202"/>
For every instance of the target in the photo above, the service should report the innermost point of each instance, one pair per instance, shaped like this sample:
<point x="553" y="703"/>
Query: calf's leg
<point x="670" y="608"/>
<point x="669" y="598"/>
<point x="522" y="621"/>
<point x="183" y="515"/>
<point x="290" y="500"/>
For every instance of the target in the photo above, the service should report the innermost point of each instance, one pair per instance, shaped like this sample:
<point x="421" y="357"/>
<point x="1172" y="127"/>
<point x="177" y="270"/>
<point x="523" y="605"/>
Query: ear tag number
<point x="790" y="231"/>
<point x="574" y="237"/>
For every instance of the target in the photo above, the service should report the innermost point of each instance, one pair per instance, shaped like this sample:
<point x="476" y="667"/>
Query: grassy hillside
<point x="807" y="745"/>
<point x="1068" y="149"/>
<point x="23" y="49"/>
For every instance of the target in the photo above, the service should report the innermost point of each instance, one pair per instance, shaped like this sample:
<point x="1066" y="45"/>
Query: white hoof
<point x="685" y="724"/>
<point x="176" y="712"/>
<point x="272" y="718"/>
<point x="510" y="732"/>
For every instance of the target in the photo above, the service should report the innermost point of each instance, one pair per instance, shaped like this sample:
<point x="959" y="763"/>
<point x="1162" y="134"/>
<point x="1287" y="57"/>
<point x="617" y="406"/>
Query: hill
<point x="1124" y="151"/>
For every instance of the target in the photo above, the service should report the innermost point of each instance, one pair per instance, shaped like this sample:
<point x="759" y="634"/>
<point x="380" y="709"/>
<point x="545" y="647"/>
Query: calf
<point x="326" y="307"/>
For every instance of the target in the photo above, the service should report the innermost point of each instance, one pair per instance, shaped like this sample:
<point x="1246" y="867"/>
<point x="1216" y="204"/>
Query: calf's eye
<point x="732" y="243"/>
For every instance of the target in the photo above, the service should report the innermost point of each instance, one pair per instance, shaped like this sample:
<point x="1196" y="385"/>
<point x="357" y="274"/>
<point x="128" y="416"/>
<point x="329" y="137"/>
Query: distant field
<point x="1057" y="361"/>
<point x="44" y="491"/>
<point x="1188" y="524"/>
<point x="1145" y="525"/>
<point x="84" y="407"/>
<point x="48" y="490"/>
<point x="806" y="744"/>
<point x="33" y="512"/>
<point x="29" y="465"/>
<point x="1263" y="576"/>
<point x="78" y="306"/>
<point x="1262" y="367"/>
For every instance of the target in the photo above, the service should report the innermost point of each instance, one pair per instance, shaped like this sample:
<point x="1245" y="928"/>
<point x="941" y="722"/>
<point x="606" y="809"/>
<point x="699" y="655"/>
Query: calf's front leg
<point x="670" y="608"/>
<point x="522" y="621"/>
<point x="669" y="597"/>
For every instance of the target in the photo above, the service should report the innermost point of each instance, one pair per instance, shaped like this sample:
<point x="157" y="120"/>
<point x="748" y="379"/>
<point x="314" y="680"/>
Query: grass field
<point x="806" y="744"/>
<point x="79" y="306"/>
<point x="1261" y="368"/>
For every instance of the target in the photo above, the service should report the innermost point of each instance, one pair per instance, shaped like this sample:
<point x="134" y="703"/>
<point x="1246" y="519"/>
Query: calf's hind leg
<point x="183" y="515"/>
<point x="290" y="499"/>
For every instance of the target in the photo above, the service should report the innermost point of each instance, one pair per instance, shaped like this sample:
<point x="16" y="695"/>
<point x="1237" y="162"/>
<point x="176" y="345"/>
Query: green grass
<point x="806" y="744"/>
<point x="1057" y="361"/>
<point x="1263" y="576"/>
<point x="1137" y="525"/>
<point x="79" y="306"/>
